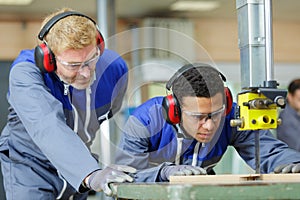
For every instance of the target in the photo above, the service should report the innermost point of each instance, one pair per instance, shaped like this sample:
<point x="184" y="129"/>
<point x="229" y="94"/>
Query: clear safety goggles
<point x="76" y="66"/>
<point x="197" y="117"/>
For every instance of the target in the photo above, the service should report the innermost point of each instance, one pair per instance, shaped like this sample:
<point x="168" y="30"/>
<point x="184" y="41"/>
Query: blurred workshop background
<point x="155" y="37"/>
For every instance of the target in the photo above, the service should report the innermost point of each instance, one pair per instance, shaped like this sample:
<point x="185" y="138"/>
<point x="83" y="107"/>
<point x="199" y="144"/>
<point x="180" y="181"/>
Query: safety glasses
<point x="76" y="66"/>
<point x="197" y="117"/>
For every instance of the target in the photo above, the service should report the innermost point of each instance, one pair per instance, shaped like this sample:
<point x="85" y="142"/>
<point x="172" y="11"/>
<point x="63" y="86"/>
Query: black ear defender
<point x="170" y="104"/>
<point x="44" y="57"/>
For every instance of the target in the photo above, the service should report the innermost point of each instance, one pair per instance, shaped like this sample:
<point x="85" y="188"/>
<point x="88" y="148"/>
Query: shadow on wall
<point x="4" y="67"/>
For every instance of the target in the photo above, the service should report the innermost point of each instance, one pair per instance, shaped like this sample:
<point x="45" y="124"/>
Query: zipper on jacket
<point x="67" y="92"/>
<point x="88" y="111"/>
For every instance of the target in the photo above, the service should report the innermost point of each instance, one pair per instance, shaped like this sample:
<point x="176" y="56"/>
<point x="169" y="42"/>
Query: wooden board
<point x="236" y="178"/>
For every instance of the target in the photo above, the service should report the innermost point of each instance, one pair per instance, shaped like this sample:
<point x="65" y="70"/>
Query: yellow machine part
<point x="255" y="119"/>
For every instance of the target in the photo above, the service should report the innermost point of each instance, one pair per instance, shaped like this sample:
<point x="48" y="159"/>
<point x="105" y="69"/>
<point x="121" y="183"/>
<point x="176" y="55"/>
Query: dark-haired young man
<point x="188" y="131"/>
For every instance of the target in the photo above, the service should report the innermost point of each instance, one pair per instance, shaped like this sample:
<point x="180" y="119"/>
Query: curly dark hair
<point x="199" y="80"/>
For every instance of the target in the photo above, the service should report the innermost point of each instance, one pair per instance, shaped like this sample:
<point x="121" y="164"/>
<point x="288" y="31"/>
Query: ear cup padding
<point x="171" y="109"/>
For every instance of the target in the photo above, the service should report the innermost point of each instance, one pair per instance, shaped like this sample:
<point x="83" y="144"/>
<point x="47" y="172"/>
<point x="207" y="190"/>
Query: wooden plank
<point x="235" y="178"/>
<point x="281" y="177"/>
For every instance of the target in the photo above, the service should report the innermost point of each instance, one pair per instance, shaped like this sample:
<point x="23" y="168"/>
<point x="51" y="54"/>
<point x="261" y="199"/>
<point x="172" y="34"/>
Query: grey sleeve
<point x="43" y="118"/>
<point x="151" y="174"/>
<point x="273" y="152"/>
<point x="133" y="147"/>
<point x="133" y="151"/>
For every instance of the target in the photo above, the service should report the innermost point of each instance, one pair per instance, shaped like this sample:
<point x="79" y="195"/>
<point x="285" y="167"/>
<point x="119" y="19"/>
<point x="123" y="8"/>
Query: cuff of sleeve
<point x="83" y="188"/>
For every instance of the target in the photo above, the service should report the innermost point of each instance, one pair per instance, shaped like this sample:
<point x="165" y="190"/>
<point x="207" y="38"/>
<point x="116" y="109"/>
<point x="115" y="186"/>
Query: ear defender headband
<point x="171" y="106"/>
<point x="44" y="57"/>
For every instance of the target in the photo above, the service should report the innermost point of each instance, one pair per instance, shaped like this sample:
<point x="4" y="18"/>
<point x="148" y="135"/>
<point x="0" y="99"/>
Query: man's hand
<point x="99" y="180"/>
<point x="180" y="170"/>
<point x="287" y="168"/>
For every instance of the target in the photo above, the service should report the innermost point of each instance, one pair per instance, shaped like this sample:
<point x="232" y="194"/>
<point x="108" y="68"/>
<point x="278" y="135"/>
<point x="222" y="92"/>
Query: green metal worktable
<point x="250" y="190"/>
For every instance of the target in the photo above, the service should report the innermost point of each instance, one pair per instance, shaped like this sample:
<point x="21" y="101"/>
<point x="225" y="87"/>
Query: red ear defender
<point x="171" y="109"/>
<point x="229" y="100"/>
<point x="44" y="58"/>
<point x="100" y="42"/>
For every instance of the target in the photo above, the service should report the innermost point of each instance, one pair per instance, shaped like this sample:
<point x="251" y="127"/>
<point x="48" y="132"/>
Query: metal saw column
<point x="252" y="43"/>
